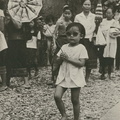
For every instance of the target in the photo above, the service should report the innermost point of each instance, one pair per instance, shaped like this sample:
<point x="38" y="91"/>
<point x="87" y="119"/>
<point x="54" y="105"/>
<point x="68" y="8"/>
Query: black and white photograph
<point x="59" y="59"/>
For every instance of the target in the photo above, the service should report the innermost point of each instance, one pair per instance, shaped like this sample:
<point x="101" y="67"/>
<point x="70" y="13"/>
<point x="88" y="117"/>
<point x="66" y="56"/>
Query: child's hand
<point x="64" y="56"/>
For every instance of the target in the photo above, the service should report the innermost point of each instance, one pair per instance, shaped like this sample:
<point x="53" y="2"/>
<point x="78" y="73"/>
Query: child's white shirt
<point x="49" y="30"/>
<point x="32" y="43"/>
<point x="76" y="74"/>
<point x="2" y="13"/>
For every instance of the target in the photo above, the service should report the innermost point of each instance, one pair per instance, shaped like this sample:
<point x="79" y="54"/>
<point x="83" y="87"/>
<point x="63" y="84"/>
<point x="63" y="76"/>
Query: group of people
<point x="69" y="47"/>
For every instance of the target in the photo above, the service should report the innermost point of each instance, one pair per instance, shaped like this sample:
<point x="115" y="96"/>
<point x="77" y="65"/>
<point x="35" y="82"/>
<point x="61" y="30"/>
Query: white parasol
<point x="24" y="10"/>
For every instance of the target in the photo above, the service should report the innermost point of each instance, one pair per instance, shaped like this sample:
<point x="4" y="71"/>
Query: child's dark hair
<point x="66" y="7"/>
<point x="113" y="10"/>
<point x="80" y="27"/>
<point x="49" y="18"/>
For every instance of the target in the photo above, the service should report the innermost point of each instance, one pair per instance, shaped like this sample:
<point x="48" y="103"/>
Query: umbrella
<point x="24" y="10"/>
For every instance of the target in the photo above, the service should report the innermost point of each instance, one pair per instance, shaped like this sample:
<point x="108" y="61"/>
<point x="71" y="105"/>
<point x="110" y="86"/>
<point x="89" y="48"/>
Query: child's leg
<point x="104" y="65"/>
<point x="4" y="81"/>
<point x="48" y="51"/>
<point x="26" y="81"/>
<point x="59" y="91"/>
<point x="36" y="66"/>
<point x="75" y="101"/>
<point x="29" y="72"/>
<point x="88" y="71"/>
<point x="110" y="65"/>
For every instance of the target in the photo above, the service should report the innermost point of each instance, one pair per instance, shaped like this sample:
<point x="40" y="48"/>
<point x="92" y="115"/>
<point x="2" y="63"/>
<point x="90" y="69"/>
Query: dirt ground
<point x="37" y="103"/>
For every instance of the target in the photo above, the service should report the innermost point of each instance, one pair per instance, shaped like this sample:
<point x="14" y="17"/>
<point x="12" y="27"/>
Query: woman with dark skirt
<point x="16" y="55"/>
<point x="87" y="19"/>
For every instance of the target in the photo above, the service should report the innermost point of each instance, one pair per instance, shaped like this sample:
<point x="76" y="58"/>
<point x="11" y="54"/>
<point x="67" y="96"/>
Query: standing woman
<point x="87" y="19"/>
<point x="16" y="61"/>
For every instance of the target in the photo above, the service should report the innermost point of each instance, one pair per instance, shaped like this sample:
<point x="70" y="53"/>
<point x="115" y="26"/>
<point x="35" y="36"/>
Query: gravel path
<point x="37" y="103"/>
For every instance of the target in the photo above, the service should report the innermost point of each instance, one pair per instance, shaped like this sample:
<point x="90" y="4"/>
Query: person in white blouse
<point x="87" y="19"/>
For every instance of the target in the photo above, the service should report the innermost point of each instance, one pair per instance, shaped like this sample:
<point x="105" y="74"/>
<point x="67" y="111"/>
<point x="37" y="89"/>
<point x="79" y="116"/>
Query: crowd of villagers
<point x="69" y="45"/>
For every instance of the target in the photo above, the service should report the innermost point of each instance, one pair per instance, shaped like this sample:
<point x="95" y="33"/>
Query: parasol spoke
<point x="32" y="3"/>
<point x="13" y="5"/>
<point x="35" y="2"/>
<point x="24" y="15"/>
<point x="16" y="1"/>
<point x="27" y="12"/>
<point x="15" y="10"/>
<point x="30" y="13"/>
<point x="31" y="9"/>
<point x="21" y="14"/>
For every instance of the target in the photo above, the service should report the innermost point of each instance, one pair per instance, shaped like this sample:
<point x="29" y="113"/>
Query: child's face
<point x="50" y="23"/>
<point x="67" y="14"/>
<point x="31" y="24"/>
<point x="73" y="35"/>
<point x="109" y="14"/>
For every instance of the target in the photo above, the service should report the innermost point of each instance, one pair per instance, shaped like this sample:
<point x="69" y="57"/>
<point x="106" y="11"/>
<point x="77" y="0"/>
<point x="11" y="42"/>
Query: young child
<point x="109" y="30"/>
<point x="41" y="43"/>
<point x="48" y="31"/>
<point x="87" y="19"/>
<point x="60" y="29"/>
<point x="73" y="56"/>
<point x="60" y="36"/>
<point x="32" y="49"/>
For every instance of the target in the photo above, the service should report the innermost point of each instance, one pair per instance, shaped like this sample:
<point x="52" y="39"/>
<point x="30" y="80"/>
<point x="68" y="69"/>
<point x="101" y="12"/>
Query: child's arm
<point x="75" y="62"/>
<point x="56" y="63"/>
<point x="56" y="31"/>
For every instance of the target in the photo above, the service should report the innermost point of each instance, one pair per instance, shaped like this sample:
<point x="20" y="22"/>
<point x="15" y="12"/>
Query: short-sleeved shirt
<point x="88" y="22"/>
<point x="62" y="26"/>
<point x="49" y="30"/>
<point x="69" y="72"/>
